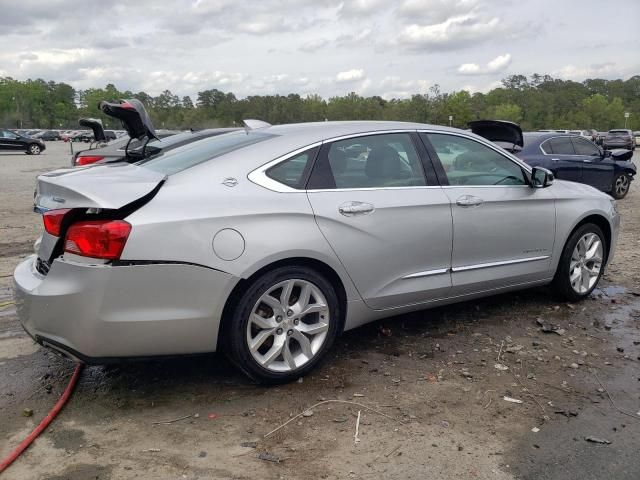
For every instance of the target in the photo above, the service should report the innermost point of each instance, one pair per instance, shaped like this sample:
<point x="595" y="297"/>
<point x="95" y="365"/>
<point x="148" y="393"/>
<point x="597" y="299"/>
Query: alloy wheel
<point x="288" y="325"/>
<point x="34" y="149"/>
<point x="586" y="263"/>
<point x="622" y="185"/>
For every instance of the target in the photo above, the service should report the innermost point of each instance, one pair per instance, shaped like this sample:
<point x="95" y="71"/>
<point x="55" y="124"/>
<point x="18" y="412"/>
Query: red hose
<point x="45" y="422"/>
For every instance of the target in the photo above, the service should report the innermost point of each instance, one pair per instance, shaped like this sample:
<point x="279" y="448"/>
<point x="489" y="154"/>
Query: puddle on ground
<point x="609" y="291"/>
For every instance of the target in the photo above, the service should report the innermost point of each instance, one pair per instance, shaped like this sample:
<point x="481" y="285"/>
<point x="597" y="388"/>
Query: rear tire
<point x="581" y="264"/>
<point x="620" y="186"/>
<point x="269" y="335"/>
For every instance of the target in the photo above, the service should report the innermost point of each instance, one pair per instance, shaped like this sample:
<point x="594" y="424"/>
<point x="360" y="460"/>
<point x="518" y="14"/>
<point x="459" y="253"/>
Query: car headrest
<point x="384" y="162"/>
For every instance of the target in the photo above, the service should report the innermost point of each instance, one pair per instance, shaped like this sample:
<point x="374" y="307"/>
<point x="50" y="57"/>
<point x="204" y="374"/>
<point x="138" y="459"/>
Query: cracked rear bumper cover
<point x="104" y="313"/>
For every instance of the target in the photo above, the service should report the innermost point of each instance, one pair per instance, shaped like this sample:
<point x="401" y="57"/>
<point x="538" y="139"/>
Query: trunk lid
<point x="499" y="131"/>
<point x="96" y="127"/>
<point x="109" y="186"/>
<point x="113" y="190"/>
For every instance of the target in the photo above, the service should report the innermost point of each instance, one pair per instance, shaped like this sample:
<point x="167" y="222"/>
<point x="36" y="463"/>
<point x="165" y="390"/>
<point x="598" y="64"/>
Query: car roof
<point x="312" y="132"/>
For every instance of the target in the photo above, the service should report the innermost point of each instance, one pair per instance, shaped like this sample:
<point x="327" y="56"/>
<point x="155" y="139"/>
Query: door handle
<point x="586" y="161"/>
<point x="469" y="201"/>
<point x="555" y="159"/>
<point x="349" y="209"/>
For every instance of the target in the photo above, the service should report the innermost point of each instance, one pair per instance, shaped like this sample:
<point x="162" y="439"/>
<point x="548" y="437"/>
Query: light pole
<point x="19" y="117"/>
<point x="626" y="116"/>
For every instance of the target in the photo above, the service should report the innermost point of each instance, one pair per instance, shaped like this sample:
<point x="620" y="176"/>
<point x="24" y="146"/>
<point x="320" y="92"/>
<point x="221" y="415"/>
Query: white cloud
<point x="359" y="8"/>
<point x="350" y="75"/>
<point x="455" y="32"/>
<point x="497" y="65"/>
<point x="434" y="11"/>
<point x="313" y="45"/>
<point x="574" y="72"/>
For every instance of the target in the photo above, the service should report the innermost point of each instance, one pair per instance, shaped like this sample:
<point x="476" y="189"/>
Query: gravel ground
<point x="431" y="399"/>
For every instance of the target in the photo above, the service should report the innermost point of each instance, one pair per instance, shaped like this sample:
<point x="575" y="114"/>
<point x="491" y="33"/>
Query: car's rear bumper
<point x="104" y="312"/>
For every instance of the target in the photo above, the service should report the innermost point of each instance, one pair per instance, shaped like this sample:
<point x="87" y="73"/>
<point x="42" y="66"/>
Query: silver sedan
<point x="269" y="242"/>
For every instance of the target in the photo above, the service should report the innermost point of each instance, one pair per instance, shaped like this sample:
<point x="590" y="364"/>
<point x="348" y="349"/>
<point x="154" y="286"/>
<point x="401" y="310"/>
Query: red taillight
<point x="97" y="238"/>
<point x="53" y="220"/>
<point x="88" y="159"/>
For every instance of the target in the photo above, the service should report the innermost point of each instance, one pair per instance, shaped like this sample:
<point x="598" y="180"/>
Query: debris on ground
<point x="268" y="457"/>
<point x="535" y="429"/>
<point x="547" y="327"/>
<point x="512" y="400"/>
<point x="567" y="413"/>
<point x="385" y="332"/>
<point x="602" y="441"/>
<point x="27" y="412"/>
<point x="249" y="444"/>
<point x="307" y="413"/>
<point x="501" y="367"/>
<point x="513" y="348"/>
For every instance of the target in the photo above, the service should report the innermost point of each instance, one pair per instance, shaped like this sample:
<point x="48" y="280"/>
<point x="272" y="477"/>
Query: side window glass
<point x="562" y="146"/>
<point x="467" y="162"/>
<point x="292" y="172"/>
<point x="375" y="161"/>
<point x="585" y="147"/>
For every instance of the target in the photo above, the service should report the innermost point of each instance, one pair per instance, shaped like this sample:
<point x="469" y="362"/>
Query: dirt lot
<point x="430" y="395"/>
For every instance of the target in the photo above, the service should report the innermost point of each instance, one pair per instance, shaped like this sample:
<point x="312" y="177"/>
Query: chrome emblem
<point x="230" y="182"/>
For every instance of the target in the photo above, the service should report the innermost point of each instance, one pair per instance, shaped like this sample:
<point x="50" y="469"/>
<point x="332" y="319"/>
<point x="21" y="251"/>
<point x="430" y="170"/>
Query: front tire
<point x="581" y="264"/>
<point x="283" y="324"/>
<point x="34" y="149"/>
<point x="620" y="186"/>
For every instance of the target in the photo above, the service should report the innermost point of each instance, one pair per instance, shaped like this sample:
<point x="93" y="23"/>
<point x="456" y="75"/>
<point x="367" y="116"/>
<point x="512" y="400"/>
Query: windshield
<point x="195" y="153"/>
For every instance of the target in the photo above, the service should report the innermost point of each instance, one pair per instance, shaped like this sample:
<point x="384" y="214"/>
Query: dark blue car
<point x="569" y="157"/>
<point x="577" y="159"/>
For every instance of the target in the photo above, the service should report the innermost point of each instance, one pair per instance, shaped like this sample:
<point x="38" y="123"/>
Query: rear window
<point x="198" y="152"/>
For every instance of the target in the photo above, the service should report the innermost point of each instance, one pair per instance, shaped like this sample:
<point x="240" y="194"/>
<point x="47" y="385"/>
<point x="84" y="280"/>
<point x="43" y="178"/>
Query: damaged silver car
<point x="269" y="242"/>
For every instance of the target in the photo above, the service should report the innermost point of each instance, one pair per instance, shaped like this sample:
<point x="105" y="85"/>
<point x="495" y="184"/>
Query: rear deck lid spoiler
<point x="110" y="186"/>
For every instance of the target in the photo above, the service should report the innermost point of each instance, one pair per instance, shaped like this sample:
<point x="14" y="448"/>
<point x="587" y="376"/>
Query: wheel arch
<point x="604" y="225"/>
<point x="321" y="267"/>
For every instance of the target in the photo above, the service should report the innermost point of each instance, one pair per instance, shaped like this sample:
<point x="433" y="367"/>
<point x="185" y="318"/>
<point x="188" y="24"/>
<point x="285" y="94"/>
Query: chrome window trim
<point x="563" y="154"/>
<point x="259" y="176"/>
<point x="498" y="264"/>
<point x="426" y="273"/>
<point x="486" y="143"/>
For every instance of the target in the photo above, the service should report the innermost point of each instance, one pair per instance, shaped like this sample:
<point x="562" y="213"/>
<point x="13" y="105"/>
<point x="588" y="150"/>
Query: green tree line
<point x="535" y="102"/>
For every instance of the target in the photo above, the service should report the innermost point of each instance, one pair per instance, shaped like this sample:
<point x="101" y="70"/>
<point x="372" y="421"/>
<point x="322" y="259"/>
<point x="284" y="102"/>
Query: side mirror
<point x="541" y="177"/>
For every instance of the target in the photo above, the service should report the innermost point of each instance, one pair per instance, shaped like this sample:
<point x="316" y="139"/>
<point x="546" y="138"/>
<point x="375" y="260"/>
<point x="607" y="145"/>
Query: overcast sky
<point x="373" y="47"/>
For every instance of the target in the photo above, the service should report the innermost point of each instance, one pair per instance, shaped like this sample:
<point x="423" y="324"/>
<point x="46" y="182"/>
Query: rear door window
<point x="373" y="161"/>
<point x="559" y="146"/>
